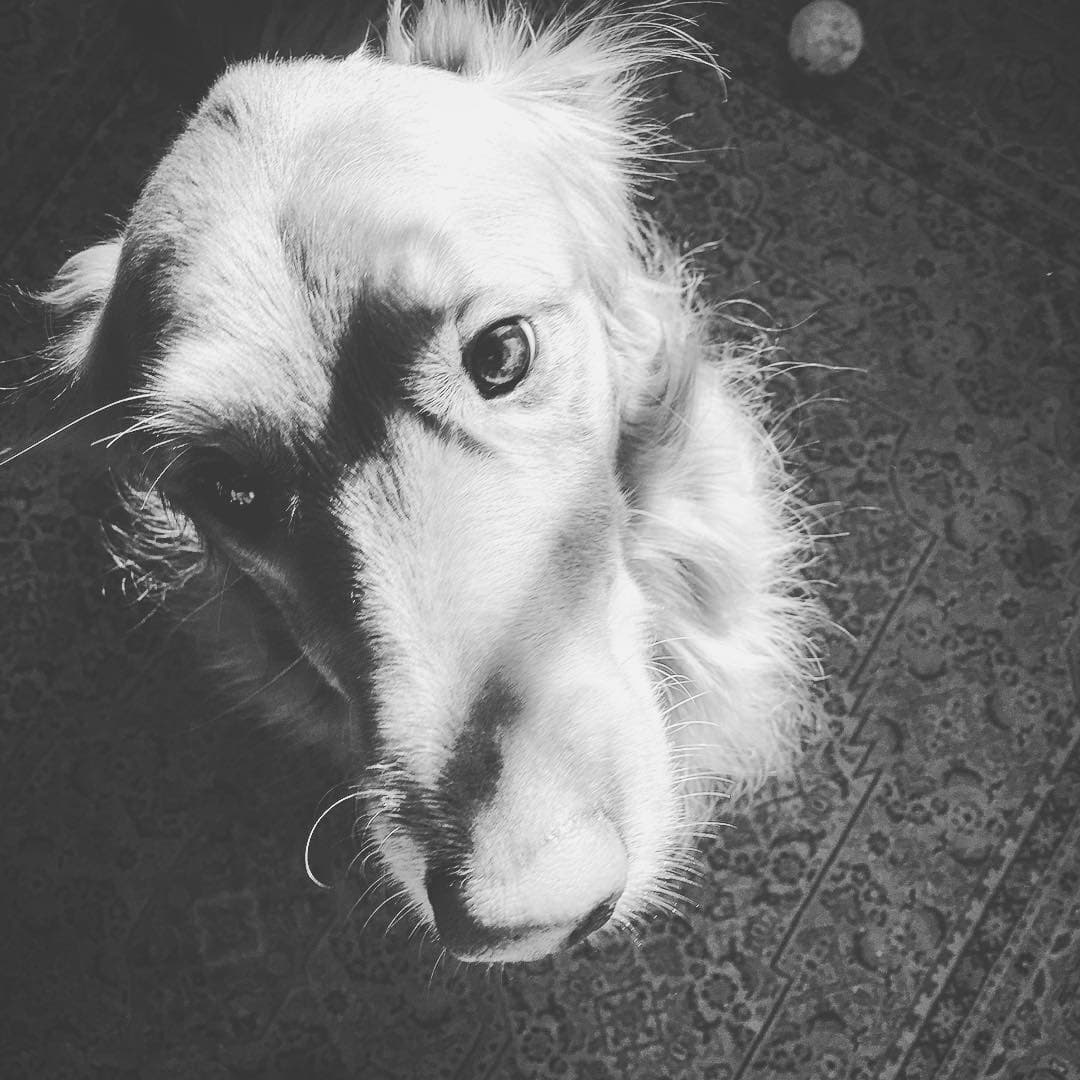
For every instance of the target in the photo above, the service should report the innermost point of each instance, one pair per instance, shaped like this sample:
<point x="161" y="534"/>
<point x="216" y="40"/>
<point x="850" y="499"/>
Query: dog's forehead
<point x="318" y="202"/>
<point x="352" y="154"/>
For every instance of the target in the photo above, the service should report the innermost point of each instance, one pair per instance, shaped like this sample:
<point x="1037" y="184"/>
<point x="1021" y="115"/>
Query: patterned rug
<point x="909" y="907"/>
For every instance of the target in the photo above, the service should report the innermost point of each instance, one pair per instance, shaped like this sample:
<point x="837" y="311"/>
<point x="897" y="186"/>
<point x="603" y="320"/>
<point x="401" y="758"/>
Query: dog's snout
<point x="566" y="890"/>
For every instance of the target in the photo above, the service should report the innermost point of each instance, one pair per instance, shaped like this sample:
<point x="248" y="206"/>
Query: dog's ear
<point x="77" y="302"/>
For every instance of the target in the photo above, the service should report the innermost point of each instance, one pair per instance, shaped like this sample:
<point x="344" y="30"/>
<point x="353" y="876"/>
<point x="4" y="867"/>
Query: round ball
<point x="826" y="37"/>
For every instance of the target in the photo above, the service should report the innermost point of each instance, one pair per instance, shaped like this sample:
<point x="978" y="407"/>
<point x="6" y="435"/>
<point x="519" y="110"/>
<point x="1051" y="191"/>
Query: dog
<point x="412" y="399"/>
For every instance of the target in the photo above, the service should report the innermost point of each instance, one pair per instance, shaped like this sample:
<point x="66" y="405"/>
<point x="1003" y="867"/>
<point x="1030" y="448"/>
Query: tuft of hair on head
<point x="593" y="62"/>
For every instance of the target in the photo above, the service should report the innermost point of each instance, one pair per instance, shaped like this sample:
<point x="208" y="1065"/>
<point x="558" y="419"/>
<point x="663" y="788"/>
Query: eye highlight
<point x="235" y="493"/>
<point x="498" y="358"/>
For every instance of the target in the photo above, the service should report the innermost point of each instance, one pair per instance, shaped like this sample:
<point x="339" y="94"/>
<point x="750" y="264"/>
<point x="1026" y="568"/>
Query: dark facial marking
<point x="440" y="820"/>
<point x="372" y="359"/>
<point x="473" y="770"/>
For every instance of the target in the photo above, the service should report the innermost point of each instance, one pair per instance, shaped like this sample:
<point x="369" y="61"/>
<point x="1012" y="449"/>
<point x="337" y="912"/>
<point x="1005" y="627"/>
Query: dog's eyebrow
<point x="481" y="306"/>
<point x="253" y="440"/>
<point x="238" y="397"/>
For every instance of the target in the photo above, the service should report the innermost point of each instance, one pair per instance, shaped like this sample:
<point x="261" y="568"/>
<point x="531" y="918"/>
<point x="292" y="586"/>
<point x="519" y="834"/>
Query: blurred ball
<point x="826" y="37"/>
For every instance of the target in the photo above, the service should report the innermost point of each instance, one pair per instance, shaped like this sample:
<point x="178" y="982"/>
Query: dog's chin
<point x="513" y="946"/>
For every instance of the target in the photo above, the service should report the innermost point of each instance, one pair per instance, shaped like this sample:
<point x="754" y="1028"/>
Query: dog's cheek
<point x="309" y="583"/>
<point x="649" y="771"/>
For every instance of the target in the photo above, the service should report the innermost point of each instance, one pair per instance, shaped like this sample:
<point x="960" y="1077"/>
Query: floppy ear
<point x="77" y="300"/>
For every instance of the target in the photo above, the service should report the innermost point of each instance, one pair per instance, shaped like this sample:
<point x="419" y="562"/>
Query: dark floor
<point x="909" y="908"/>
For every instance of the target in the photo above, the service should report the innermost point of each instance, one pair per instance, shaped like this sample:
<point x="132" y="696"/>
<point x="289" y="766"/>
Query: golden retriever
<point x="405" y="381"/>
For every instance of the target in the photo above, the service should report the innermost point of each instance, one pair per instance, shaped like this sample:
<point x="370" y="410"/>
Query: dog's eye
<point x="498" y="358"/>
<point x="238" y="498"/>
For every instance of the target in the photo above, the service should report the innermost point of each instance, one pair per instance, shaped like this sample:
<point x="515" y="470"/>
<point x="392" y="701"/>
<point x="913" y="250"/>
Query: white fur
<point x="615" y="544"/>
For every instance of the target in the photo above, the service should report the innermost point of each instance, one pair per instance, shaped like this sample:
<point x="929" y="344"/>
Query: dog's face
<point x="364" y="310"/>
<point x="387" y="336"/>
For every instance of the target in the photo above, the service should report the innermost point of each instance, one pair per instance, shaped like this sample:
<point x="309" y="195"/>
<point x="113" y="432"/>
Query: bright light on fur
<point x="554" y="592"/>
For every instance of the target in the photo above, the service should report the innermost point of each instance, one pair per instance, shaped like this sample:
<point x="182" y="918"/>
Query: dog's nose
<point x="568" y="890"/>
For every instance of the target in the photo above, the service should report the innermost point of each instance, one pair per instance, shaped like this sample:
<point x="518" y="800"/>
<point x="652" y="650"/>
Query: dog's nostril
<point x="592" y="922"/>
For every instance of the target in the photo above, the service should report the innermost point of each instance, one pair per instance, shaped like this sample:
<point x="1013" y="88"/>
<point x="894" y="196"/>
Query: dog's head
<point x="391" y="341"/>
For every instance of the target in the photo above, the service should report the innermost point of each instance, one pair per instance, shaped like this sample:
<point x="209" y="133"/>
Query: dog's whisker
<point x="425" y="937"/>
<point x="707" y="775"/>
<point x="373" y="853"/>
<point x="686" y="701"/>
<point x="259" y="690"/>
<point x="221" y="596"/>
<point x="151" y="490"/>
<point x="365" y="852"/>
<point x="372" y="847"/>
<point x="667" y="678"/>
<point x="407" y="909"/>
<point x="671" y="893"/>
<point x="377" y="883"/>
<point x="434" y="968"/>
<point x="683" y="750"/>
<point x="688" y="861"/>
<point x="67" y="427"/>
<point x="389" y="900"/>
<point x="662" y="905"/>
<point x="201" y="607"/>
<point x="110" y="440"/>
<point x="711" y="833"/>
<point x="380" y="883"/>
<point x="390" y="833"/>
<point x="364" y="822"/>
<point x="710" y="830"/>
<point x="683" y="879"/>
<point x="311" y="833"/>
<point x="693" y="750"/>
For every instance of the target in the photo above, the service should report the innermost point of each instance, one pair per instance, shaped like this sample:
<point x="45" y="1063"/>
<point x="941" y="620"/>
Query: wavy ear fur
<point x="719" y="539"/>
<point x="77" y="297"/>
